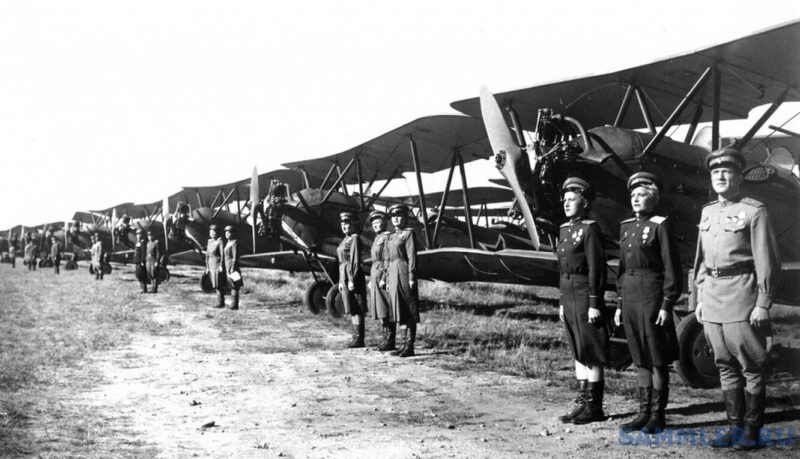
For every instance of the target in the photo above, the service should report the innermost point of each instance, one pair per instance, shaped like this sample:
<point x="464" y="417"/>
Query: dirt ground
<point x="216" y="385"/>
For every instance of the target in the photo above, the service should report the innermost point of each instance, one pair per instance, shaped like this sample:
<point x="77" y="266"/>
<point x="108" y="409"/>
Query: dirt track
<point x="276" y="382"/>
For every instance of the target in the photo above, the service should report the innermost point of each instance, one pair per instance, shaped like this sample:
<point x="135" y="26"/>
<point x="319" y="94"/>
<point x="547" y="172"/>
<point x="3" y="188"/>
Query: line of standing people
<point x="222" y="265"/>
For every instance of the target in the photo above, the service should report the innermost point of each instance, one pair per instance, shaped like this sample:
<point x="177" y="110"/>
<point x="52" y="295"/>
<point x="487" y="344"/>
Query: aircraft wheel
<point x="71" y="266"/>
<point x="205" y="283"/>
<point x="91" y="268"/>
<point x="696" y="359"/>
<point x="619" y="356"/>
<point x="107" y="268"/>
<point x="163" y="275"/>
<point x="41" y="263"/>
<point x="314" y="299"/>
<point x="334" y="302"/>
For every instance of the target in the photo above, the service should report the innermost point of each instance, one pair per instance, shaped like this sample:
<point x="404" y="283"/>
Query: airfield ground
<point x="95" y="369"/>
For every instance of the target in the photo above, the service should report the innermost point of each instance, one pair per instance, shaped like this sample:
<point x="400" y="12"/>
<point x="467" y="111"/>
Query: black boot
<point x="358" y="335"/>
<point x="734" y="407"/>
<point x="390" y="333"/>
<point x="405" y="343"/>
<point x="579" y="402"/>
<point x="645" y="395"/>
<point x="753" y="421"/>
<point x="657" y="421"/>
<point x="144" y="287"/>
<point x="594" y="405"/>
<point x="408" y="349"/>
<point x="220" y="299"/>
<point x="235" y="304"/>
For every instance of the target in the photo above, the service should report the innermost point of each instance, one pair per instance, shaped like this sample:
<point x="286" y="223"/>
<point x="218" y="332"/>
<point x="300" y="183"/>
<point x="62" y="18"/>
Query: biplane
<point x="550" y="139"/>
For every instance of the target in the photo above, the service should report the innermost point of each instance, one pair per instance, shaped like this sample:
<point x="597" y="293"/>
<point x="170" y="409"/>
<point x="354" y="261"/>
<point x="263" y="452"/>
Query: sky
<point x="103" y="102"/>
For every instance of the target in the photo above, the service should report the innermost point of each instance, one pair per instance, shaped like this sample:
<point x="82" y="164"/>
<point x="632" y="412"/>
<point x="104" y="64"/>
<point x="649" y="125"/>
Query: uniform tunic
<point x="214" y="263"/>
<point x="230" y="256"/>
<point x="379" y="304"/>
<point x="582" y="264"/>
<point x="349" y="255"/>
<point x="55" y="253"/>
<point x="736" y="269"/>
<point x="30" y="253"/>
<point x="97" y="255"/>
<point x="400" y="262"/>
<point x="152" y="259"/>
<point x="649" y="279"/>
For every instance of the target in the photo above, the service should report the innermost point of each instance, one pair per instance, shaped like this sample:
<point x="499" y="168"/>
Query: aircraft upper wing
<point x="207" y="194"/>
<point x="435" y="137"/>
<point x="120" y="208"/>
<point x="477" y="195"/>
<point x="755" y="70"/>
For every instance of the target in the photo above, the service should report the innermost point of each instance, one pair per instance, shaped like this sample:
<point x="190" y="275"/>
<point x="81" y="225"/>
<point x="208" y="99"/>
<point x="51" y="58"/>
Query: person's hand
<point x="618" y="317"/>
<point x="759" y="316"/>
<point x="207" y="270"/>
<point x="663" y="317"/>
<point x="561" y="313"/>
<point x="220" y="269"/>
<point x="382" y="284"/>
<point x="594" y="315"/>
<point x="698" y="312"/>
<point x="341" y="287"/>
<point x="411" y="284"/>
<point x="351" y="286"/>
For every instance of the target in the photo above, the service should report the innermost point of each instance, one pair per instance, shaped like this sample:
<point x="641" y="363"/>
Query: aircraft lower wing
<point x="286" y="261"/>
<point x="508" y="266"/>
<point x="188" y="257"/>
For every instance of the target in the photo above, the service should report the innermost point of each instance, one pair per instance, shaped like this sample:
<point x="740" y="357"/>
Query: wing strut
<point x="648" y="118"/>
<point x="338" y="180"/>
<point x="623" y="108"/>
<point x="767" y="114"/>
<point x="443" y="202"/>
<point x="465" y="192"/>
<point x="415" y="158"/>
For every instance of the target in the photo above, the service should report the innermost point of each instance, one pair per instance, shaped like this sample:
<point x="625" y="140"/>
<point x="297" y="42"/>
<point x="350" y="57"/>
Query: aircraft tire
<point x="107" y="268"/>
<point x="71" y="266"/>
<point x="205" y="283"/>
<point x="696" y="358"/>
<point x="163" y="275"/>
<point x="333" y="302"/>
<point x="91" y="268"/>
<point x="314" y="298"/>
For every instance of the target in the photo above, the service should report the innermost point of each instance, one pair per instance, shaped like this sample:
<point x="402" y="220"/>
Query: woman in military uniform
<point x="376" y="295"/>
<point x="214" y="267"/>
<point x="139" y="259"/>
<point x="153" y="259"/>
<point x="400" y="262"/>
<point x="352" y="284"/>
<point x="582" y="264"/>
<point x="648" y="284"/>
<point x="231" y="261"/>
<point x="30" y="253"/>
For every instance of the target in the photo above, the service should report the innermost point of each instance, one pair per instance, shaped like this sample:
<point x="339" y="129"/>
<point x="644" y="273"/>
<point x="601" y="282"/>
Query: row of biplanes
<point x="287" y="219"/>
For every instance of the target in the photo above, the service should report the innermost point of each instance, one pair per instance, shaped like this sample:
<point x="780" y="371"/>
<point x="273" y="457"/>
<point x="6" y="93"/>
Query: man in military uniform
<point x="139" y="257"/>
<point x="13" y="245"/>
<point x="153" y="259"/>
<point x="736" y="272"/>
<point x="30" y="253"/>
<point x="98" y="257"/>
<point x="55" y="254"/>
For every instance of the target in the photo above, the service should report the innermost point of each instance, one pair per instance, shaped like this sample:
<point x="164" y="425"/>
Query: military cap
<point x="725" y="157"/>
<point x="138" y="231"/>
<point x="213" y="227"/>
<point x="377" y="214"/>
<point x="229" y="228"/>
<point x="346" y="217"/>
<point x="400" y="209"/>
<point x="643" y="178"/>
<point x="576" y="182"/>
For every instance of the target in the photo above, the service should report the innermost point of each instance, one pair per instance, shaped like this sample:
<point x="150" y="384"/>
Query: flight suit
<point x="214" y="266"/>
<point x="736" y="269"/>
<point x="582" y="265"/>
<point x="230" y="256"/>
<point x="349" y="256"/>
<point x="152" y="262"/>
<point x="98" y="256"/>
<point x="649" y="279"/>
<point x="55" y="255"/>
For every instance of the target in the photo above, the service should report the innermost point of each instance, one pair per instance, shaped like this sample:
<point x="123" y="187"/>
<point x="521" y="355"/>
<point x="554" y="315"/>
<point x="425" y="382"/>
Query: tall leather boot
<point x="144" y="286"/>
<point x="657" y="421"/>
<point x="405" y="343"/>
<point x="358" y="335"/>
<point x="408" y="349"/>
<point x="155" y="286"/>
<point x="645" y="395"/>
<point x="594" y="405"/>
<point x="235" y="304"/>
<point x="753" y="421"/>
<point x="220" y="299"/>
<point x="579" y="402"/>
<point x="391" y="334"/>
<point x="734" y="407"/>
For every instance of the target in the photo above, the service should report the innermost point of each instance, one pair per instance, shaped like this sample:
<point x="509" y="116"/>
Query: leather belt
<point x="730" y="271"/>
<point x="571" y="275"/>
<point x="634" y="271"/>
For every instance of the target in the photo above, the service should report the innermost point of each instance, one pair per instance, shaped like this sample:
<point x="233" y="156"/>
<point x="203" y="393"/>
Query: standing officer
<point x="139" y="257"/>
<point x="736" y="272"/>
<point x="376" y="295"/>
<point x="98" y="257"/>
<point x="153" y="258"/>
<point x="55" y="254"/>
<point x="13" y="244"/>
<point x="352" y="285"/>
<point x="582" y="264"/>
<point x="214" y="268"/>
<point x="230" y="258"/>
<point x="30" y="253"/>
<point x="400" y="261"/>
<point x="650" y="281"/>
